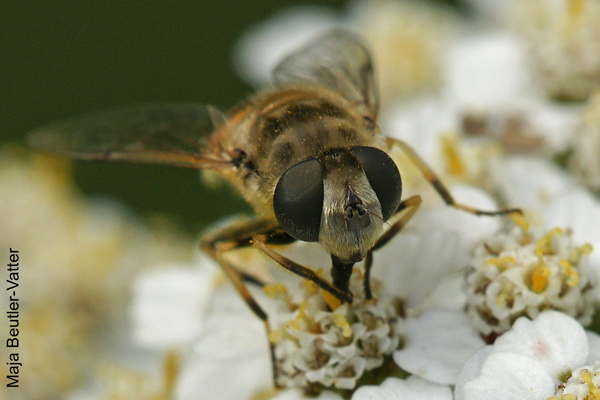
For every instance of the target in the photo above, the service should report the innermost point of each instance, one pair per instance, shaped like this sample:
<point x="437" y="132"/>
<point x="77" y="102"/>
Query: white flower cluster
<point x="81" y="258"/>
<point x="334" y="348"/>
<point x="523" y="273"/>
<point x="564" y="43"/>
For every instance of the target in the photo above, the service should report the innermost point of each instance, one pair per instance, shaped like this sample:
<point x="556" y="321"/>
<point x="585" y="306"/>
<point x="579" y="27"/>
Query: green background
<point x="63" y="58"/>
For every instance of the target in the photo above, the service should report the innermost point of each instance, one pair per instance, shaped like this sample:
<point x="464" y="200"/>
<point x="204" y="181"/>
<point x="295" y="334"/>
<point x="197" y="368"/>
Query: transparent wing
<point x="337" y="61"/>
<point x="169" y="134"/>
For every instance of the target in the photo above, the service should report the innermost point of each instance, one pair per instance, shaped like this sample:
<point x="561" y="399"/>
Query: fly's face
<point x="340" y="199"/>
<point x="351" y="220"/>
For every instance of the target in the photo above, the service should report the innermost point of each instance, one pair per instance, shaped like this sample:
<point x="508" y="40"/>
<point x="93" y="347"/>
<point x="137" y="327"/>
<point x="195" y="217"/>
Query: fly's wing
<point x="339" y="62"/>
<point x="169" y="134"/>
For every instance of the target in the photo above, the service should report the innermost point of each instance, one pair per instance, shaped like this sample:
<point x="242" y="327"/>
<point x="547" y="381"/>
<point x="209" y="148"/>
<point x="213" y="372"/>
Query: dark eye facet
<point x="298" y="200"/>
<point x="383" y="175"/>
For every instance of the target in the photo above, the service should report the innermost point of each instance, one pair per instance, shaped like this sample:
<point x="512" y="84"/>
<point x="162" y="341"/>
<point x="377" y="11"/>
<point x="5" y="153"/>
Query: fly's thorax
<point x="277" y="130"/>
<point x="293" y="124"/>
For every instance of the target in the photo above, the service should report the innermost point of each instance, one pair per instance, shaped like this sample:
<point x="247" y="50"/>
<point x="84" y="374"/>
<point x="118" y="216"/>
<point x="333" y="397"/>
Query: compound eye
<point x="383" y="175"/>
<point x="298" y="200"/>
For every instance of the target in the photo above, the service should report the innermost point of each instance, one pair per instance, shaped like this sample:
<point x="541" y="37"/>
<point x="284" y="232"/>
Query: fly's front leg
<point x="438" y="185"/>
<point x="406" y="210"/>
<point x="238" y="235"/>
<point x="261" y="241"/>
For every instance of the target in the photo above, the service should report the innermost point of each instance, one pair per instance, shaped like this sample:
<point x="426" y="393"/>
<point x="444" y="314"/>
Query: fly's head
<point x="340" y="199"/>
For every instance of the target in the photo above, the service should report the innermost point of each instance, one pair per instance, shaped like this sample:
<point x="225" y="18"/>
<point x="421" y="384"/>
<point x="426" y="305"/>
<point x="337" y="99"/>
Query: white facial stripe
<point x="334" y="234"/>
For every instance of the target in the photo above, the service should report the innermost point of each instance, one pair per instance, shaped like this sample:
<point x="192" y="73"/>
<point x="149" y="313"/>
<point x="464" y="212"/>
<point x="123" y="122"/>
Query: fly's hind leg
<point x="438" y="185"/>
<point x="237" y="235"/>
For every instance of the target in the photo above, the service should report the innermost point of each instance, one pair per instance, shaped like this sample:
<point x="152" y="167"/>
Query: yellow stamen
<point x="505" y="295"/>
<point x="544" y="245"/>
<point x="571" y="275"/>
<point x="341" y="321"/>
<point x="576" y="253"/>
<point x="520" y="220"/>
<point x="275" y="290"/>
<point x="586" y="249"/>
<point x="310" y="287"/>
<point x="539" y="277"/>
<point x="591" y="386"/>
<point x="275" y="336"/>
<point x="454" y="164"/>
<point x="301" y="316"/>
<point x="502" y="263"/>
<point x="501" y="299"/>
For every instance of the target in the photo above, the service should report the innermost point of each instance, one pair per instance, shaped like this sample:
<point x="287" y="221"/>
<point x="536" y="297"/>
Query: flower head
<point x="81" y="256"/>
<point x="523" y="273"/>
<point x="564" y="41"/>
<point x="334" y="347"/>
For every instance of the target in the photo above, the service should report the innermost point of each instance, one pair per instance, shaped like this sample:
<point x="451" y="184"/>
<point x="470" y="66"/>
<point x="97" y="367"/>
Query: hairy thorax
<point x="275" y="130"/>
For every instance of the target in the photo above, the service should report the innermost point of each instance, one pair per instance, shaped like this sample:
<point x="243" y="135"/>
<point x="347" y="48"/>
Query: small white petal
<point x="509" y="376"/>
<point x="578" y="210"/>
<point x="413" y="388"/>
<point x="231" y="358"/>
<point x="487" y="71"/>
<point x="168" y="305"/>
<point x="448" y="295"/>
<point x="471" y="370"/>
<point x="228" y="336"/>
<point x="437" y="244"/>
<point x="414" y="263"/>
<point x="219" y="379"/>
<point x="555" y="340"/>
<point x="530" y="183"/>
<point x="470" y="228"/>
<point x="421" y="124"/>
<point x="231" y="330"/>
<point x="437" y="345"/>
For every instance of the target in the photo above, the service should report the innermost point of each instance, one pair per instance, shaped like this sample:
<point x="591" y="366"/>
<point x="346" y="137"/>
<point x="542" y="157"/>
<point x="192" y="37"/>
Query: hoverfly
<point x="307" y="154"/>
